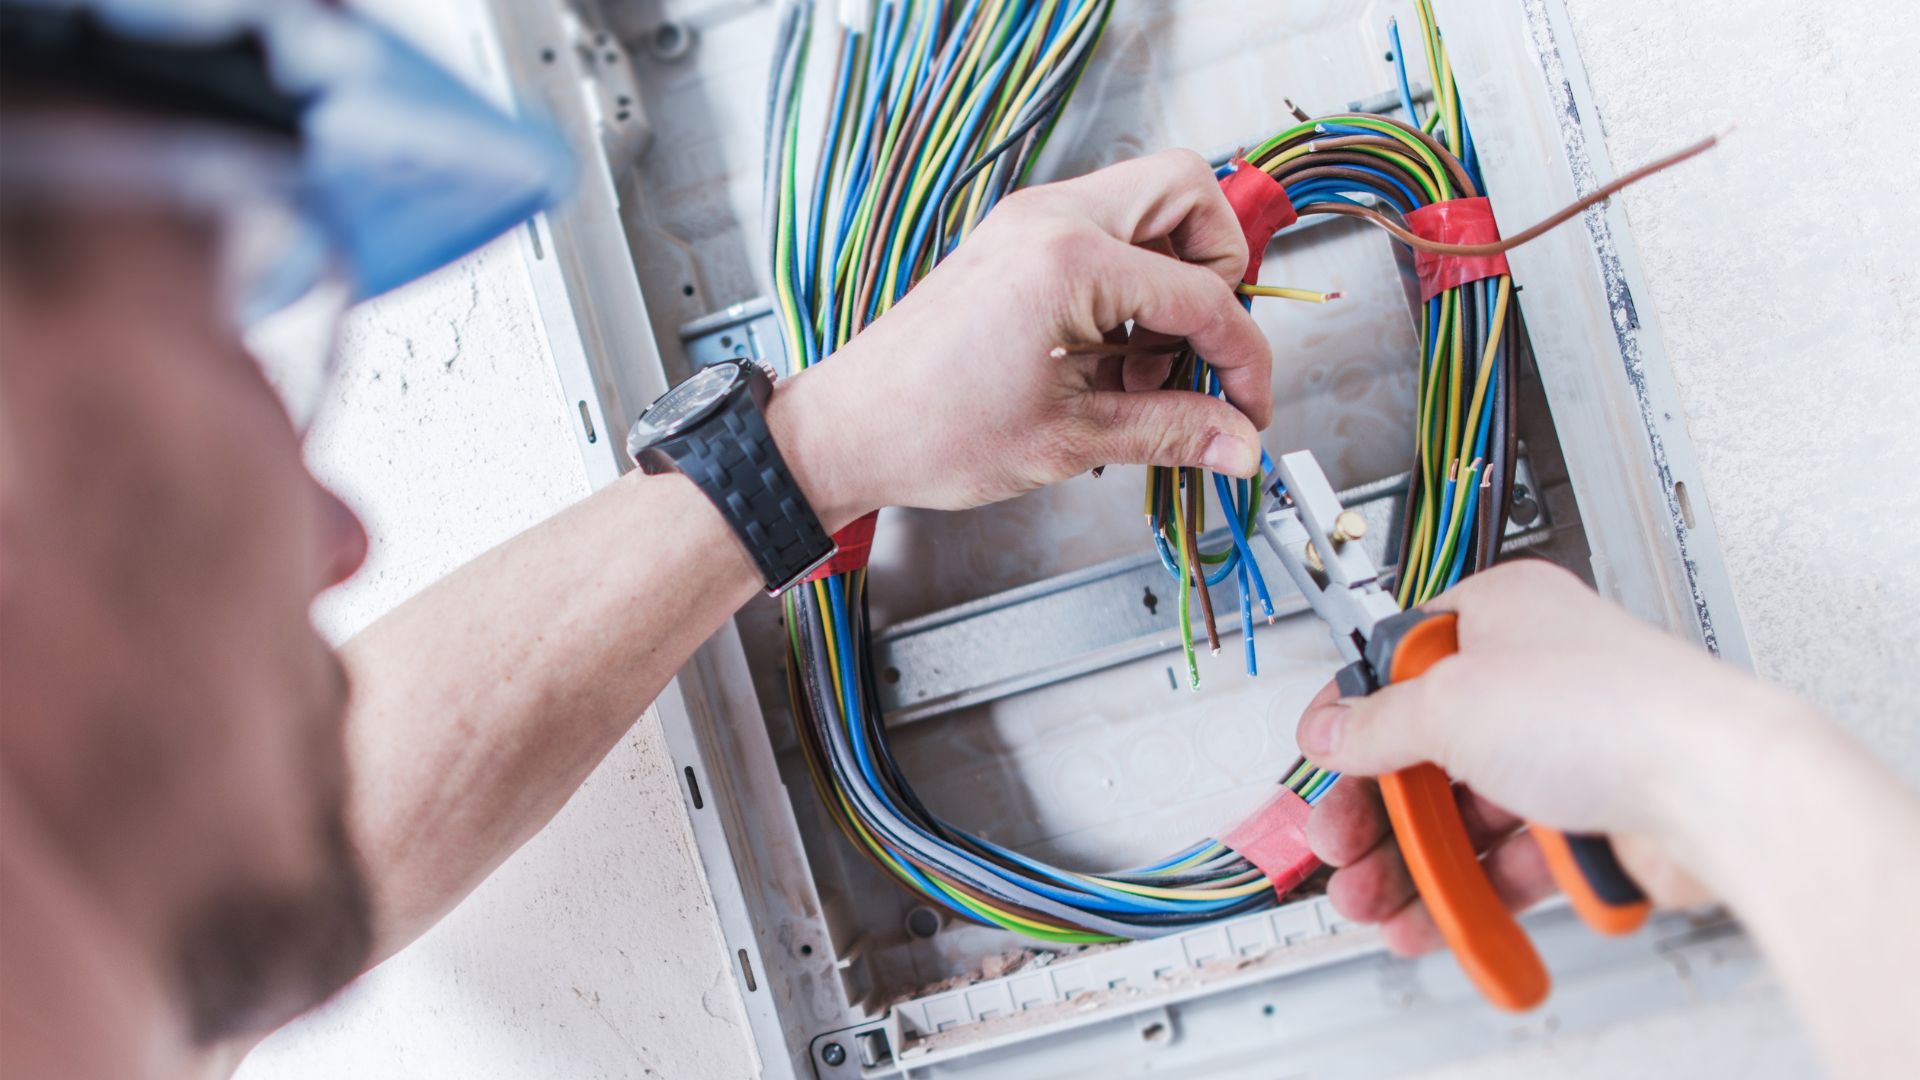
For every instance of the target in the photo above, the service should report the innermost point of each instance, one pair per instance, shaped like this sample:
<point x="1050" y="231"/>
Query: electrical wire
<point x="937" y="110"/>
<point x="1382" y="169"/>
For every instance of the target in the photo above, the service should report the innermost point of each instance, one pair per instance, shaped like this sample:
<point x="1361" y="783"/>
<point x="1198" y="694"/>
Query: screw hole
<point x="1686" y="504"/>
<point x="806" y="950"/>
<point x="1150" y="601"/>
<point x="693" y="789"/>
<point x="670" y="41"/>
<point x="686" y="290"/>
<point x="891" y="674"/>
<point x="726" y="341"/>
<point x="1156" y="1031"/>
<point x="746" y="969"/>
<point x="546" y="56"/>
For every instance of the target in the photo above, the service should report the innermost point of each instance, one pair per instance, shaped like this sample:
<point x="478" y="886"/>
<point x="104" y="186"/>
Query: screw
<point x="1348" y="525"/>
<point x="1313" y="558"/>
<point x="834" y="1055"/>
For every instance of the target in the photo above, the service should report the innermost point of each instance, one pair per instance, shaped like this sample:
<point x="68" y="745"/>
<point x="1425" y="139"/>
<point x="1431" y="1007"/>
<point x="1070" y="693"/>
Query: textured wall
<point x="1781" y="271"/>
<point x="1791" y="317"/>
<point x="593" y="951"/>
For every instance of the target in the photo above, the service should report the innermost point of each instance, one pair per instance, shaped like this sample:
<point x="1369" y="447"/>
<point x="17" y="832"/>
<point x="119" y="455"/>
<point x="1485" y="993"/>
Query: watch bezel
<point x="646" y="434"/>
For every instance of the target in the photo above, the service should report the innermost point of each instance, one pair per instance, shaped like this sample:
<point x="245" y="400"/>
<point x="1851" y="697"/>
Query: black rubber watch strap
<point x="733" y="458"/>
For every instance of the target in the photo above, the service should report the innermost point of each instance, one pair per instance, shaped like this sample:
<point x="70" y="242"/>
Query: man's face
<point x="172" y="720"/>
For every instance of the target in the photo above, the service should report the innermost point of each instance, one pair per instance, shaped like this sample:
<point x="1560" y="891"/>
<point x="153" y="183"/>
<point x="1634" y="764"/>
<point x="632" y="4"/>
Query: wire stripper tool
<point x="1317" y="540"/>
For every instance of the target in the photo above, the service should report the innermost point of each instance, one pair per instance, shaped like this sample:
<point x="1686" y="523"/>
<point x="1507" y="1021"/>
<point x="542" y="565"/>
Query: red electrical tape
<point x="1261" y="204"/>
<point x="1456" y="221"/>
<point x="855" y="542"/>
<point x="1275" y="840"/>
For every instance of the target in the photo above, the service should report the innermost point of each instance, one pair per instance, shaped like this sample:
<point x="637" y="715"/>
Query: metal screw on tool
<point x="1348" y="525"/>
<point x="1313" y="558"/>
<point x="834" y="1054"/>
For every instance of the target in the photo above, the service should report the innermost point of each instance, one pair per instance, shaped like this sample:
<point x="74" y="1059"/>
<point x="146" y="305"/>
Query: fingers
<point x="1171" y="427"/>
<point x="1185" y="301"/>
<point x="1350" y="832"/>
<point x="1394" y="727"/>
<point x="1375" y="887"/>
<point x="1170" y="196"/>
<point x="1348" y="822"/>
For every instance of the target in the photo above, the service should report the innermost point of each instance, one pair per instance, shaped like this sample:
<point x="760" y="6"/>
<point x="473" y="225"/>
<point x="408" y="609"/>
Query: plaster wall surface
<point x="1780" y="269"/>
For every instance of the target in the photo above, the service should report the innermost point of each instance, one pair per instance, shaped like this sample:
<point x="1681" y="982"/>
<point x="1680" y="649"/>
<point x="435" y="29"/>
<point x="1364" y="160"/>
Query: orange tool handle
<point x="1483" y="934"/>
<point x="1587" y="870"/>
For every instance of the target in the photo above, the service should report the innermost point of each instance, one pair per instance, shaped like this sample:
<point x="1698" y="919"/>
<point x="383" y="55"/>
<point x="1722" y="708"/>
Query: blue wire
<point x="1460" y="553"/>
<point x="1404" y="204"/>
<point x="1400" y="72"/>
<point x="823" y="173"/>
<point x="1238" y="530"/>
<point x="1246" y="619"/>
<point x="1089" y="895"/>
<point x="930" y="213"/>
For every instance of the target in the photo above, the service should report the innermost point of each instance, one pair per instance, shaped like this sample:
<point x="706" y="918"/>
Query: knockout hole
<point x="923" y="922"/>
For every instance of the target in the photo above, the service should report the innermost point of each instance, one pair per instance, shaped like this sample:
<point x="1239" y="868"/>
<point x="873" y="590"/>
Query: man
<point x="202" y="832"/>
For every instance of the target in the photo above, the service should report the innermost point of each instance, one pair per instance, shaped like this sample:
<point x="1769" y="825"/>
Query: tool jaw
<point x="1333" y="571"/>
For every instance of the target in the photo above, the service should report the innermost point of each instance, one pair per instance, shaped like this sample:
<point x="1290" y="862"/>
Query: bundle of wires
<point x="1464" y="434"/>
<point x="937" y="110"/>
<point x="1460" y="489"/>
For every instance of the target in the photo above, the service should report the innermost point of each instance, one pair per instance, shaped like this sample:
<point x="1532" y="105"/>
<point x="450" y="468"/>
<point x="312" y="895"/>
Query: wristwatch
<point x="712" y="429"/>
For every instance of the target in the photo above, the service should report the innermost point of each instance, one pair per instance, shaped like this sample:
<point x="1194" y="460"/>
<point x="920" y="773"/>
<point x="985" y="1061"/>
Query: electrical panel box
<point x="1027" y="656"/>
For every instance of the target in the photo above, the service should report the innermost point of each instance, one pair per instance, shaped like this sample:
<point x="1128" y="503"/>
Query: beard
<point x="253" y="957"/>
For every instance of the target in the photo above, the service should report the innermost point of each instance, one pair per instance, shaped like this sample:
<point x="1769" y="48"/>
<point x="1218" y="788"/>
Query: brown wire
<point x="1497" y="247"/>
<point x="1193" y="559"/>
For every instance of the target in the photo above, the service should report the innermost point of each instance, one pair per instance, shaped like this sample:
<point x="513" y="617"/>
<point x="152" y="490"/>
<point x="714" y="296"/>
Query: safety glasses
<point x="282" y="286"/>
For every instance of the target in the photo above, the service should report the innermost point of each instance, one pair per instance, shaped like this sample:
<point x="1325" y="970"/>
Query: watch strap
<point x="734" y="460"/>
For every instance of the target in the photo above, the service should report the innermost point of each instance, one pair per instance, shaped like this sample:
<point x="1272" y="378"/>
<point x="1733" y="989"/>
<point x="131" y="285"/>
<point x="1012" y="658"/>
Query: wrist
<point x="1733" y="764"/>
<point x="822" y="439"/>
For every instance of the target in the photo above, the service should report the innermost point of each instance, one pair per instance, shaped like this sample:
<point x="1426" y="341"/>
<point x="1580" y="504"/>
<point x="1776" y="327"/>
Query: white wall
<point x="592" y="952"/>
<point x="1781" y="271"/>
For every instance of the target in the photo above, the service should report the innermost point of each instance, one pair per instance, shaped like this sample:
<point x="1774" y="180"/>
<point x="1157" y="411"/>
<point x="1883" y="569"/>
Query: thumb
<point x="1173" y="428"/>
<point x="1392" y="728"/>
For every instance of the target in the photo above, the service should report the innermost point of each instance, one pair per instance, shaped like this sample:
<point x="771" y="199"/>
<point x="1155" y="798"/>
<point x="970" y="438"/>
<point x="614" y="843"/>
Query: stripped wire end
<point x="1282" y="292"/>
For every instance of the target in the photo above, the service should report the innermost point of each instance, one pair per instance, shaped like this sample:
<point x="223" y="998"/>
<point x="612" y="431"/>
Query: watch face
<point x="683" y="405"/>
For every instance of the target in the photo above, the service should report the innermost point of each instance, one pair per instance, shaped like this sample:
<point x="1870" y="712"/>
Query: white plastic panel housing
<point x="1099" y="759"/>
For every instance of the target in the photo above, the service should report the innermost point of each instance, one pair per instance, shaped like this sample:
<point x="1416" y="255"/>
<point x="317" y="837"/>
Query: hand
<point x="1559" y="708"/>
<point x="951" y="400"/>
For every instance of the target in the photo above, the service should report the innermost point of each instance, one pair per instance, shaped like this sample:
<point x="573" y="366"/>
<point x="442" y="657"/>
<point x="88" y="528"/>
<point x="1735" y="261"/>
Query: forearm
<point x="480" y="705"/>
<point x="1816" y="848"/>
